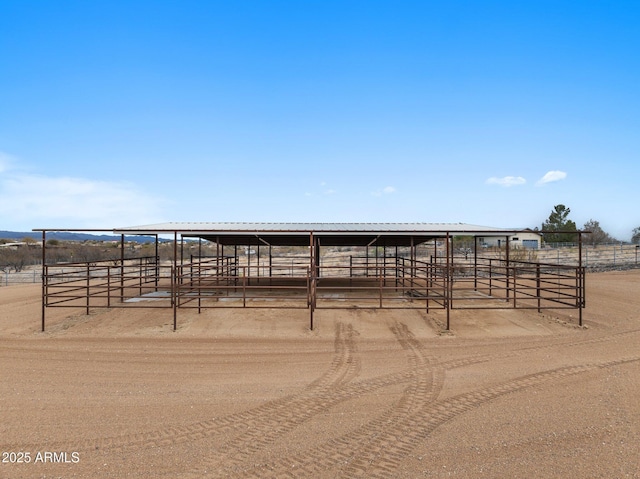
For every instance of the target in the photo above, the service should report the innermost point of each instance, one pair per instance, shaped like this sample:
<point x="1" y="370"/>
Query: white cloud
<point x="387" y="190"/>
<point x="506" y="181"/>
<point x="551" y="176"/>
<point x="32" y="201"/>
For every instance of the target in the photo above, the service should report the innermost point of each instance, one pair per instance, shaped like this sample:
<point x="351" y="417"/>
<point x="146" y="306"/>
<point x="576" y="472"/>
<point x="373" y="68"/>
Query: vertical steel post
<point x="236" y="267"/>
<point x="88" y="285"/>
<point x="350" y="272"/>
<point x="506" y="270"/>
<point x="122" y="268"/>
<point x="141" y="270"/>
<point x="580" y="276"/>
<point x="397" y="264"/>
<point x="475" y="263"/>
<point x="515" y="285"/>
<point x="174" y="280"/>
<point x="199" y="274"/>
<point x="248" y="270"/>
<point x="412" y="255"/>
<point x="538" y="286"/>
<point x="45" y="273"/>
<point x="490" y="276"/>
<point x="366" y="261"/>
<point x="377" y="267"/>
<point x="317" y="258"/>
<point x="448" y="289"/>
<point x="384" y="262"/>
<point x="108" y="286"/>
<point x="312" y="279"/>
<point x="244" y="290"/>
<point x="157" y="261"/>
<point x="181" y="257"/>
<point x="220" y="266"/>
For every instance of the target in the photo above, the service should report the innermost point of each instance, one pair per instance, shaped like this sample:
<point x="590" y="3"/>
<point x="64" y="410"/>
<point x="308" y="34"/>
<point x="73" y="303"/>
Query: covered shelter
<point x="314" y="266"/>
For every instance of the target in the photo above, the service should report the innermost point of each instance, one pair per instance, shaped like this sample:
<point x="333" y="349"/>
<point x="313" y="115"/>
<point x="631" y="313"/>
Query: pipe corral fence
<point x="381" y="269"/>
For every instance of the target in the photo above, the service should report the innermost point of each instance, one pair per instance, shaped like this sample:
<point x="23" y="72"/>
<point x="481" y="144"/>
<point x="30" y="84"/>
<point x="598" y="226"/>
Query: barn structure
<point x="313" y="266"/>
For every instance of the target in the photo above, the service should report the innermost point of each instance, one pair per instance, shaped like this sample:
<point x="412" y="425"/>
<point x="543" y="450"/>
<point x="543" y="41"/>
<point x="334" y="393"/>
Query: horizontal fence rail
<point x="22" y="277"/>
<point x="208" y="284"/>
<point x="384" y="282"/>
<point x="523" y="285"/>
<point x="105" y="283"/>
<point x="398" y="285"/>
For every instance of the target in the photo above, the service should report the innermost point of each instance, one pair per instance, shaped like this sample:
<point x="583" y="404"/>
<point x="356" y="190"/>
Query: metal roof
<point x="329" y="234"/>
<point x="312" y="227"/>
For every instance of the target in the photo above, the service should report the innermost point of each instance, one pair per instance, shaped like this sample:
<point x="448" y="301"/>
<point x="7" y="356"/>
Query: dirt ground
<point x="254" y="393"/>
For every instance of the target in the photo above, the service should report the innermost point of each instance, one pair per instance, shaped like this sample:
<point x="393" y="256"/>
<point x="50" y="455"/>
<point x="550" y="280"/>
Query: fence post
<point x="108" y="286"/>
<point x="538" y="285"/>
<point x="448" y="282"/>
<point x="580" y="274"/>
<point x="515" y="285"/>
<point x="88" y="285"/>
<point x="490" y="276"/>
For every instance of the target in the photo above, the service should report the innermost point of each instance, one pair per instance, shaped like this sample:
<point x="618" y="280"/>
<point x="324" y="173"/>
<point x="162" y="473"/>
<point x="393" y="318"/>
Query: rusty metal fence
<point x="521" y="285"/>
<point x="104" y="283"/>
<point x="388" y="282"/>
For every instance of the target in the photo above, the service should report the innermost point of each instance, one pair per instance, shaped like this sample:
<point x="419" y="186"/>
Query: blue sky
<point x="122" y="113"/>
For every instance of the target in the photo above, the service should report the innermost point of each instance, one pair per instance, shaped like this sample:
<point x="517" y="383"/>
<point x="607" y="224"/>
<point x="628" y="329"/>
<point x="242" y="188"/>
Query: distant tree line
<point x="29" y="252"/>
<point x="558" y="229"/>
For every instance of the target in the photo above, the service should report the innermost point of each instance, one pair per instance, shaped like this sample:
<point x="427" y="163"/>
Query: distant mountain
<point x="68" y="236"/>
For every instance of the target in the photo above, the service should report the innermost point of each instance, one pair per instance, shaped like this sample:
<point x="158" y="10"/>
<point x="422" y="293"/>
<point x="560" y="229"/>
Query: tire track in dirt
<point x="266" y="427"/>
<point x="337" y="384"/>
<point x="426" y="384"/>
<point x="357" y="449"/>
<point x="344" y="367"/>
<point x="383" y="434"/>
<point x="340" y="455"/>
<point x="256" y="425"/>
<point x="423" y="424"/>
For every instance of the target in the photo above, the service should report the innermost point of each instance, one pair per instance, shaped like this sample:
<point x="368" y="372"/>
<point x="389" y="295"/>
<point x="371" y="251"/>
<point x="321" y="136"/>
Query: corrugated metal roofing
<point x="328" y="234"/>
<point x="239" y="227"/>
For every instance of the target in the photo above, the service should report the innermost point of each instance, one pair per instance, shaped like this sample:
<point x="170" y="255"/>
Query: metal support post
<point x="44" y="276"/>
<point x="122" y="268"/>
<point x="174" y="281"/>
<point x="580" y="276"/>
<point x="448" y="286"/>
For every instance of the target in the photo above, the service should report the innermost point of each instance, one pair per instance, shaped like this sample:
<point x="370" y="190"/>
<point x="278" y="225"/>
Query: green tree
<point x="635" y="239"/>
<point x="557" y="228"/>
<point x="598" y="235"/>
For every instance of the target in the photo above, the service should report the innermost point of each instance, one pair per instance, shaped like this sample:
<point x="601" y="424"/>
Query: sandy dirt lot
<point x="254" y="393"/>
